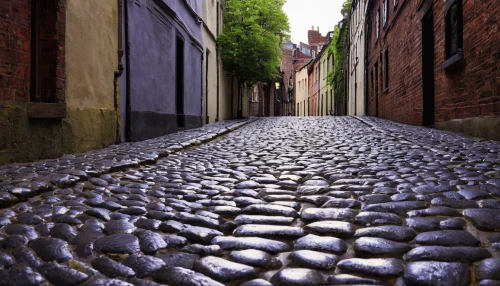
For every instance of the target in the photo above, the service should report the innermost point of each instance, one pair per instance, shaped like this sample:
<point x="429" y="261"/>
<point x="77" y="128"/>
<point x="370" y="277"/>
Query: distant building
<point x="313" y="79"/>
<point x="302" y="90"/>
<point x="326" y="106"/>
<point x="356" y="60"/>
<point x="316" y="41"/>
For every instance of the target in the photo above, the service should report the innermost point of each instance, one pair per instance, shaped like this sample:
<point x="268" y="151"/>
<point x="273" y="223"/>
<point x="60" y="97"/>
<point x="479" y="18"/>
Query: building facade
<point x="56" y="87"/>
<point x="162" y="88"/>
<point x="356" y="74"/>
<point x="313" y="77"/>
<point x="217" y="94"/>
<point x="302" y="90"/>
<point x="443" y="72"/>
<point x="326" y="90"/>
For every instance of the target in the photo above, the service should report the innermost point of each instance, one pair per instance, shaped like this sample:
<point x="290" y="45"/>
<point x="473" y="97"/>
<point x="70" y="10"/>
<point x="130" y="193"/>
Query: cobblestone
<point x="279" y="201"/>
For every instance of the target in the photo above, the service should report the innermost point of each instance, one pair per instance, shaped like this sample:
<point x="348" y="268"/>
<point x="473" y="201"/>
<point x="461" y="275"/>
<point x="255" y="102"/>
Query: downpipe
<point x="118" y="72"/>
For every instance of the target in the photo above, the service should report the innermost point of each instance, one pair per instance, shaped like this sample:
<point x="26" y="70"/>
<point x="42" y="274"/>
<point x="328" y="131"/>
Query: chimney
<point x="318" y="28"/>
<point x="312" y="28"/>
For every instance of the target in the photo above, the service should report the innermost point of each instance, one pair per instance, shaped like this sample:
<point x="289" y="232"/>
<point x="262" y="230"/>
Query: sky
<point x="303" y="14"/>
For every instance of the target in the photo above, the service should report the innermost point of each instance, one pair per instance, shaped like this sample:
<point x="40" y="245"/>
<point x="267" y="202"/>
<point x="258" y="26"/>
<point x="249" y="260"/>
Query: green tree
<point x="346" y="7"/>
<point x="340" y="50"/>
<point x="250" y="42"/>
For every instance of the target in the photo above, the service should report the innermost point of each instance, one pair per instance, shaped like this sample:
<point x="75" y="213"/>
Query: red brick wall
<point x="15" y="51"/>
<point x="472" y="88"/>
<point x="315" y="38"/>
<point x="402" y="100"/>
<point x="52" y="32"/>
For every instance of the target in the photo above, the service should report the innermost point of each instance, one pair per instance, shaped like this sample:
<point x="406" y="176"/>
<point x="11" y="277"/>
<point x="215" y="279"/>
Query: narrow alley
<point x="271" y="201"/>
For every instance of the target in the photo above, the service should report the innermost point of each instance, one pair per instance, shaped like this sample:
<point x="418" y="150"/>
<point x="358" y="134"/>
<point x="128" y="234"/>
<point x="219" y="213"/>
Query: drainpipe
<point x="366" y="61"/>
<point x="217" y="61"/>
<point x="118" y="72"/>
<point x="201" y="87"/>
<point x="128" y="128"/>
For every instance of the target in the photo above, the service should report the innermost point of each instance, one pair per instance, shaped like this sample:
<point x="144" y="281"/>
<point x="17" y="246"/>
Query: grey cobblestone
<point x="280" y="201"/>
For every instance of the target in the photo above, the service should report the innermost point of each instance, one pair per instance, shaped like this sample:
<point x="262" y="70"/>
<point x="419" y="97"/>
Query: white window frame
<point x="385" y="11"/>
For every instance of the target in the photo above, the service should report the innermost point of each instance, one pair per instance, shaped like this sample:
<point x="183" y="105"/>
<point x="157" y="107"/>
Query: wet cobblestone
<point x="279" y="201"/>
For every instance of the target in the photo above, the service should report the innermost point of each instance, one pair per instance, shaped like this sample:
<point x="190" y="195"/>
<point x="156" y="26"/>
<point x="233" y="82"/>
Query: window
<point x="373" y="83"/>
<point x="377" y="30"/>
<point x="386" y="69"/>
<point x="381" y="79"/>
<point x="396" y="3"/>
<point x="386" y="11"/>
<point x="453" y="32"/>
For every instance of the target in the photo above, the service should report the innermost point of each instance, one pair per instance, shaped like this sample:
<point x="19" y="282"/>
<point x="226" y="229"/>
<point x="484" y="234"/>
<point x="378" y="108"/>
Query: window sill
<point x="453" y="60"/>
<point x="42" y="110"/>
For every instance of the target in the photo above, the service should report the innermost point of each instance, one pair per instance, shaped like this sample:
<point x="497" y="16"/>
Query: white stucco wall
<point x="356" y="92"/>
<point x="302" y="91"/>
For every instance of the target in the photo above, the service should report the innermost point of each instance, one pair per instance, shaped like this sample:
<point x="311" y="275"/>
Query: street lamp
<point x="277" y="85"/>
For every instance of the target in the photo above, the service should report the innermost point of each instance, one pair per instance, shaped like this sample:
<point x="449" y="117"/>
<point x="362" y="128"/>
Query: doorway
<point x="179" y="82"/>
<point x="428" y="68"/>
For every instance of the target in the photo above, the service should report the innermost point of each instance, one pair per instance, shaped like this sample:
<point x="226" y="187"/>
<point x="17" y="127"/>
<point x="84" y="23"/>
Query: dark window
<point x="377" y="31"/>
<point x="386" y="11"/>
<point x="373" y="83"/>
<point x="453" y="32"/>
<point x="386" y="69"/>
<point x="381" y="72"/>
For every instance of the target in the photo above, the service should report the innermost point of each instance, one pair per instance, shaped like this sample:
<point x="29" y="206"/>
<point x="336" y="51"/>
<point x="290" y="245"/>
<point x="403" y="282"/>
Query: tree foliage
<point x="250" y="42"/>
<point x="339" y="48"/>
<point x="346" y="7"/>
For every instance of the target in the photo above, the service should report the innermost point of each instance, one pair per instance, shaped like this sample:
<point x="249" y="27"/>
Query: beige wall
<point x="356" y="92"/>
<point x="91" y="59"/>
<point x="325" y="94"/>
<point x="302" y="91"/>
<point x="209" y="42"/>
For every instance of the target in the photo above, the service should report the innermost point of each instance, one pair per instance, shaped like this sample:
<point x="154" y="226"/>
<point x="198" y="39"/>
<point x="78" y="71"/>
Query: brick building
<point x="316" y="40"/>
<point x="313" y="77"/>
<point x="435" y="62"/>
<point x="58" y="62"/>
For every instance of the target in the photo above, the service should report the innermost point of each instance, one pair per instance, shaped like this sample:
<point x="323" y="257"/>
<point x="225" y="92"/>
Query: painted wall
<point x="153" y="29"/>
<point x="313" y="88"/>
<point x="209" y="42"/>
<point x="302" y="91"/>
<point x="326" y="94"/>
<point x="356" y="92"/>
<point x="91" y="59"/>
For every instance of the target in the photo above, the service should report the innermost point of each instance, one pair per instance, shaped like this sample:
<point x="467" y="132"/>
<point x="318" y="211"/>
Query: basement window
<point x="453" y="33"/>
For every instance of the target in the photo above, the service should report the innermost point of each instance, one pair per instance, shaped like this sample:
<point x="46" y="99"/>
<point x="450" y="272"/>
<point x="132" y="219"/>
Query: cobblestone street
<point x="275" y="201"/>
